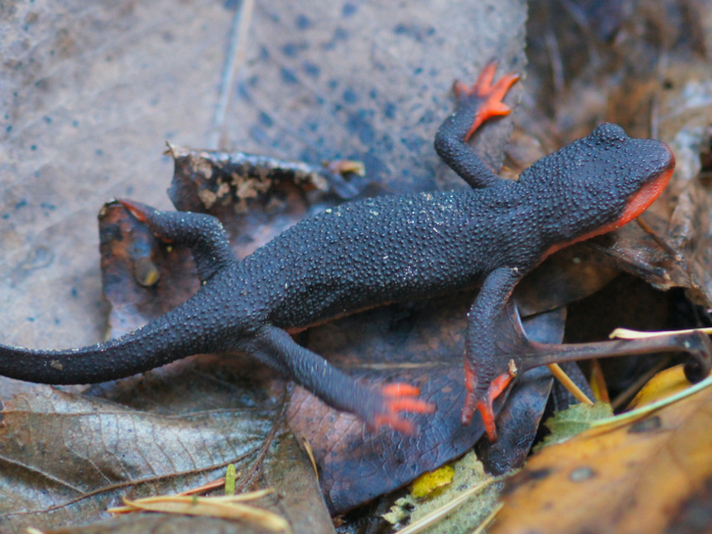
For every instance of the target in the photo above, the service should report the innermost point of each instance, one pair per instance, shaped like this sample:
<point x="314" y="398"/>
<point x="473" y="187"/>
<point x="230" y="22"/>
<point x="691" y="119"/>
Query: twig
<point x="569" y="384"/>
<point x="235" y="57"/>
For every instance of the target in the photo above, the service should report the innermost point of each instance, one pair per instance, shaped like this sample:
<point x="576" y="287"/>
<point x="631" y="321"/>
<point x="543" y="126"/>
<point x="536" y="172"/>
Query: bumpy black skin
<point x="364" y="254"/>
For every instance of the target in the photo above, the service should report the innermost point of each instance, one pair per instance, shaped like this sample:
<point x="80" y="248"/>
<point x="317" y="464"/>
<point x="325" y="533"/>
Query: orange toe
<point x="136" y="209"/>
<point x="398" y="389"/>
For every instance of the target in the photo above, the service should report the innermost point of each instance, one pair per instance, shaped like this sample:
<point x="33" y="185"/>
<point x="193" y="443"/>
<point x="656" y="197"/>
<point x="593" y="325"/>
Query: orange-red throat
<point x="645" y="197"/>
<point x="636" y="205"/>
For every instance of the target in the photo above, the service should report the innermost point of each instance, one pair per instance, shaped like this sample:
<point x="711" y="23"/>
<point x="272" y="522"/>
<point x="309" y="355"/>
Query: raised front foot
<point x="399" y="398"/>
<point x="486" y="97"/>
<point x="475" y="105"/>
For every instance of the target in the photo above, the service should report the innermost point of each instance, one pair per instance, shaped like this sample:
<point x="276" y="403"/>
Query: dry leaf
<point x="633" y="478"/>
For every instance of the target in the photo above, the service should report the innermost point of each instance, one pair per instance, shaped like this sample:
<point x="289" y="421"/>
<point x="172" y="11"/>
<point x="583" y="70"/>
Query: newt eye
<point x="610" y="133"/>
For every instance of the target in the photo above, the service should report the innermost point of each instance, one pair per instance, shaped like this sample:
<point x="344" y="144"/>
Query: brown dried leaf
<point x="158" y="435"/>
<point x="255" y="197"/>
<point x="86" y="453"/>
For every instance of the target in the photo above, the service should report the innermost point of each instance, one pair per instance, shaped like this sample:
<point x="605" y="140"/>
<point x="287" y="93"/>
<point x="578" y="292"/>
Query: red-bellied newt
<point x="377" y="251"/>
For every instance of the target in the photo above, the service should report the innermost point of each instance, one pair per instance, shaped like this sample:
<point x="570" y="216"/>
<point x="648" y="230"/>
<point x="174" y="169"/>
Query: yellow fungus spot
<point x="428" y="482"/>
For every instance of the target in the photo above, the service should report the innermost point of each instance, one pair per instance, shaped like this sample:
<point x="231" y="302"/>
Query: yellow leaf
<point x="662" y="385"/>
<point x="634" y="477"/>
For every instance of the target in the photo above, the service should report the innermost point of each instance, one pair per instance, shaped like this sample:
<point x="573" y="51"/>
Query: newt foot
<point x="144" y="214"/>
<point x="475" y="402"/>
<point x="398" y="398"/>
<point x="140" y="211"/>
<point x="491" y="96"/>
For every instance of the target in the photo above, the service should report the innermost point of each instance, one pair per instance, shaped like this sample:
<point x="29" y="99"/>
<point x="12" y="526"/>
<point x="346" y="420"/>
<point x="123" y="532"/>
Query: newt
<point x="377" y="251"/>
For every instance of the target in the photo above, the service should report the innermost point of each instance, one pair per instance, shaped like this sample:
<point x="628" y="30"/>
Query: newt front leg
<point x="475" y="105"/>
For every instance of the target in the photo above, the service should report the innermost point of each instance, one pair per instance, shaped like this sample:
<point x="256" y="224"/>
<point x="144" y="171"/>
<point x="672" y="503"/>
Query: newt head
<point x="610" y="178"/>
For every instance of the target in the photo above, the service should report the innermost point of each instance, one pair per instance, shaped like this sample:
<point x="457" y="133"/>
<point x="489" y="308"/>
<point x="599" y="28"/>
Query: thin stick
<point x="625" y="333"/>
<point x="569" y="384"/>
<point x="233" y="61"/>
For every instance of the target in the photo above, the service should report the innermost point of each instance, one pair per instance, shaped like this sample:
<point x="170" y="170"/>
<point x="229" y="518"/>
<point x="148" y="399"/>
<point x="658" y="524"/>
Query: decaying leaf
<point x="458" y="507"/>
<point x="157" y="435"/>
<point x="257" y="197"/>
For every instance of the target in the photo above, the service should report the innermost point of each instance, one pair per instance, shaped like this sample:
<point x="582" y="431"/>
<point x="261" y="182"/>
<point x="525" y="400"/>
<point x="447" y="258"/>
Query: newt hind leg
<point x="202" y="233"/>
<point x="487" y="376"/>
<point x="475" y="105"/>
<point x="377" y="406"/>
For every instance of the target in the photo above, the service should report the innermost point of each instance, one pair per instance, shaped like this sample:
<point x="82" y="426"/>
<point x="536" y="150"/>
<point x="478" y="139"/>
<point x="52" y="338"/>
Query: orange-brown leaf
<point x="634" y="478"/>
